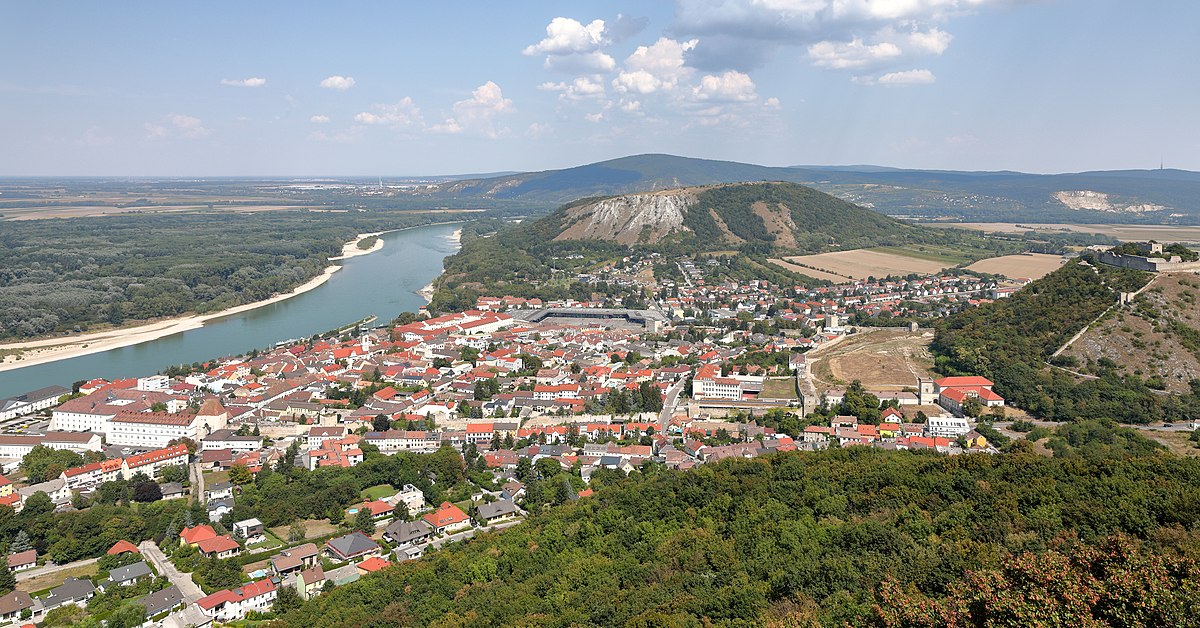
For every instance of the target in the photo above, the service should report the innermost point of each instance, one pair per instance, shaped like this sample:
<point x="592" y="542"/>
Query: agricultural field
<point x="1125" y="233"/>
<point x="864" y="263"/>
<point x="1024" y="266"/>
<point x="882" y="359"/>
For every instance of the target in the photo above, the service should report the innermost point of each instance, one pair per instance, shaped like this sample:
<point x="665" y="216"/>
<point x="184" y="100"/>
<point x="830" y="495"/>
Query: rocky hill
<point x="780" y="215"/>
<point x="1157" y="337"/>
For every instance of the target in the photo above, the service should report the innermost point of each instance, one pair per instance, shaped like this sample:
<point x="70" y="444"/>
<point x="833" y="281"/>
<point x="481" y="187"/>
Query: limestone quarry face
<point x="630" y="219"/>
<point x="1099" y="201"/>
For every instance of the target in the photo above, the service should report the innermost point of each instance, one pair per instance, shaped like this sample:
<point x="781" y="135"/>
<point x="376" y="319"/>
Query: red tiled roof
<point x="122" y="546"/>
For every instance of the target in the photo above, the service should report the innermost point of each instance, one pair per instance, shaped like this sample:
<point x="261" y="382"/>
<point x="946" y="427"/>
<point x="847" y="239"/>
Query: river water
<point x="383" y="284"/>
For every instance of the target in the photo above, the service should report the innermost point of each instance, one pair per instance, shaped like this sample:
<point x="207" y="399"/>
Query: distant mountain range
<point x="1120" y="196"/>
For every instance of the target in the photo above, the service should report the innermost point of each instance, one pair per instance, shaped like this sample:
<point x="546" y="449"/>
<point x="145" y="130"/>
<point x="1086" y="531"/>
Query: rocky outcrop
<point x="629" y="219"/>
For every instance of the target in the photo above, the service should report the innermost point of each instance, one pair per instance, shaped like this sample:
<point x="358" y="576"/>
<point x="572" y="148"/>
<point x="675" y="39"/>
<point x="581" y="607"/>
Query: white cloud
<point x="587" y="63"/>
<point x="933" y="41"/>
<point x="538" y="130"/>
<point x="594" y="117"/>
<point x="247" y="82"/>
<point x="852" y="54"/>
<point x="659" y="66"/>
<point x="478" y="113"/>
<point x="340" y="83"/>
<point x="907" y="77"/>
<point x="581" y="88"/>
<point x="401" y="114"/>
<point x="772" y="103"/>
<point x="731" y="86"/>
<point x="319" y="119"/>
<point x="176" y="126"/>
<point x="566" y="36"/>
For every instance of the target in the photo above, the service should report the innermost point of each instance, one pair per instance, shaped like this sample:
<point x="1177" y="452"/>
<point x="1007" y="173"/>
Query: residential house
<point x="161" y="602"/>
<point x="408" y="532"/>
<point x="229" y="605"/>
<point x="73" y="590"/>
<point x="13" y="604"/>
<point x="447" y="519"/>
<point x="251" y="530"/>
<point x="310" y="582"/>
<point x="351" y="546"/>
<point x="219" y="547"/>
<point x="498" y="512"/>
<point x="127" y="576"/>
<point x="21" y="561"/>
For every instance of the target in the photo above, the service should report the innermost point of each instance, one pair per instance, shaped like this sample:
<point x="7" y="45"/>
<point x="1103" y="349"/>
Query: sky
<point x="430" y="88"/>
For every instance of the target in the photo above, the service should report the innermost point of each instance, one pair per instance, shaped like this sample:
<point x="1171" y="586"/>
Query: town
<point x="538" y="403"/>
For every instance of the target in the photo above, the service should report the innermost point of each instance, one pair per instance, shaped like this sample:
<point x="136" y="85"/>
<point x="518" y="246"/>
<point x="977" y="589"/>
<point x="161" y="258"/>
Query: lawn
<point x="779" y="388"/>
<point x="51" y="580"/>
<point x="378" y="492"/>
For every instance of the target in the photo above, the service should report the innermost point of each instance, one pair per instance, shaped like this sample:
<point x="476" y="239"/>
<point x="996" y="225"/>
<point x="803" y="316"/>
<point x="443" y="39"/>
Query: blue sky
<point x="389" y="88"/>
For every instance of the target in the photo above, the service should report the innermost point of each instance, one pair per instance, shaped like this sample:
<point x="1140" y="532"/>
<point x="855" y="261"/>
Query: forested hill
<point x="1011" y="340"/>
<point x="858" y="536"/>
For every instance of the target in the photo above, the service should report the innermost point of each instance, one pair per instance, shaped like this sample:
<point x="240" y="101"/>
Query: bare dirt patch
<point x="778" y="221"/>
<point x="864" y="263"/>
<point x="1024" y="266"/>
<point x="46" y="581"/>
<point x="883" y="359"/>
<point x="808" y="272"/>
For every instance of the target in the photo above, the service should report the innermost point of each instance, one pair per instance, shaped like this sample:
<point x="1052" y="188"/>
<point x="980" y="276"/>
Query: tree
<point x="36" y="505"/>
<point x="130" y="615"/>
<point x="8" y="580"/>
<point x="21" y="542"/>
<point x="240" y="475"/>
<point x="296" y="532"/>
<point x="363" y="522"/>
<point x="174" y="473"/>
<point x="43" y="463"/>
<point x="286" y="599"/>
<point x="381" y="423"/>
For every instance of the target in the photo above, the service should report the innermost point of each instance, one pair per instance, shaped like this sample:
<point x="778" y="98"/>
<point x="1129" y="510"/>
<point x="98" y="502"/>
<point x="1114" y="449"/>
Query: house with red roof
<point x="229" y="605"/>
<point x="447" y="519"/>
<point x="195" y="534"/>
<point x="122" y="546"/>
<point x="219" y="547"/>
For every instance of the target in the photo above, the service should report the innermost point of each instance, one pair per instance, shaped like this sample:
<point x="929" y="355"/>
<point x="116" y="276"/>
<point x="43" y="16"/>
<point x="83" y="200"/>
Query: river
<point x="383" y="284"/>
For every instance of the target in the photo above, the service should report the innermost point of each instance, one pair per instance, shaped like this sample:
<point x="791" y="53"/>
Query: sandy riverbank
<point x="52" y="349"/>
<point x="351" y="248"/>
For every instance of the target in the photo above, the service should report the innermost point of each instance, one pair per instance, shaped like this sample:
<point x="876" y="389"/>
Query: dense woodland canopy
<point x="63" y="275"/>
<point x="1097" y="534"/>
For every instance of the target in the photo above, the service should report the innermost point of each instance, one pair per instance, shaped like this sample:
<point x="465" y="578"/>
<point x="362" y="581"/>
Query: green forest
<point x="68" y="275"/>
<point x="1099" y="535"/>
<point x="1009" y="341"/>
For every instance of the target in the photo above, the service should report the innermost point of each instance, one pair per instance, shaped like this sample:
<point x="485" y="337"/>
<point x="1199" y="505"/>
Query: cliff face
<point x="629" y="219"/>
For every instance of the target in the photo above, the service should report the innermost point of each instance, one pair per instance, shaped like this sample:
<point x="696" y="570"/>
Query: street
<point x="49" y="569"/>
<point x="466" y="534"/>
<point x="191" y="591"/>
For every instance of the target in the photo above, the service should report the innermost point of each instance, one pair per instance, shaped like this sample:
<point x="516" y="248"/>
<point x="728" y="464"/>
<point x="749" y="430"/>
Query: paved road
<point x="197" y="475"/>
<point x="672" y="398"/>
<point x="49" y="569"/>
<point x="191" y="591"/>
<point x="466" y="534"/>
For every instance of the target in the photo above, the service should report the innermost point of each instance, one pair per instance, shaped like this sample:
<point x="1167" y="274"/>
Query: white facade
<point x="17" y="446"/>
<point x="947" y="426"/>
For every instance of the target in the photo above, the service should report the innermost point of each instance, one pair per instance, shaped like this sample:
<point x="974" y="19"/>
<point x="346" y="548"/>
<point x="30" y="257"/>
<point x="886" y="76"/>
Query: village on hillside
<point x="539" y="403"/>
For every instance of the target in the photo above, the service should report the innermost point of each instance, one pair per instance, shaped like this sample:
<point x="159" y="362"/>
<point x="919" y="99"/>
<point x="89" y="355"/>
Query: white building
<point x="946" y="426"/>
<point x="156" y="429"/>
<point x="16" y="446"/>
<point x="31" y="402"/>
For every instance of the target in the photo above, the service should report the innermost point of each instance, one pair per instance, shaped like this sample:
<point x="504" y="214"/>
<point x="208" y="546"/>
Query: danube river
<point x="383" y="284"/>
